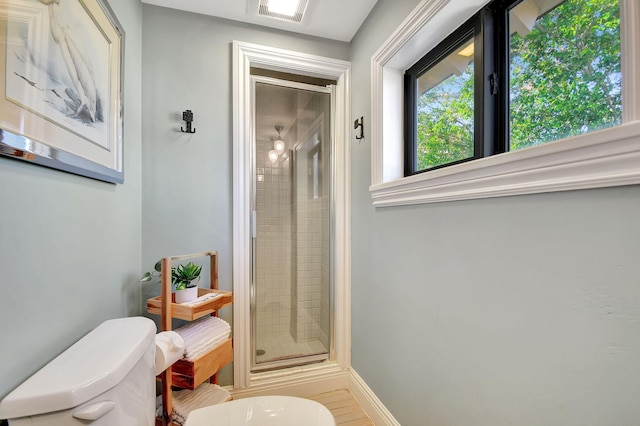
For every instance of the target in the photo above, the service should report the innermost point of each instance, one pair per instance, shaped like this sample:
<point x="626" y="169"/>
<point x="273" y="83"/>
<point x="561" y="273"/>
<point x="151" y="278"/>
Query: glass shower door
<point x="291" y="297"/>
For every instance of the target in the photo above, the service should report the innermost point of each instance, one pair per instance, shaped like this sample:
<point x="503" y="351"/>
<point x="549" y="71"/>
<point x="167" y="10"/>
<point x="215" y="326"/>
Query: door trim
<point x="246" y="55"/>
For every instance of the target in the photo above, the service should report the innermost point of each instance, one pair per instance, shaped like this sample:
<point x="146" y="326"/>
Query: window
<point x="518" y="74"/>
<point x="440" y="95"/>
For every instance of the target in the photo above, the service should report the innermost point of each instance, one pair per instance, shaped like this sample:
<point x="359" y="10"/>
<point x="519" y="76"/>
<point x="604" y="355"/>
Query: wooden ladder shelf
<point x="189" y="374"/>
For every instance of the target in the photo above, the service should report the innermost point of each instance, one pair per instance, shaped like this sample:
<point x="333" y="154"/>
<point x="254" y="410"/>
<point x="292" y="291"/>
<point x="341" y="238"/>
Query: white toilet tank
<point x="107" y="378"/>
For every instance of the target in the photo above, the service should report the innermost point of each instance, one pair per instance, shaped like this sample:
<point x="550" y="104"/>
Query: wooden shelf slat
<point x="192" y="312"/>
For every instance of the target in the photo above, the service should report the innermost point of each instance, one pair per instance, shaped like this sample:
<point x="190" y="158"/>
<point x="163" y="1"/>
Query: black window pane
<point x="445" y="110"/>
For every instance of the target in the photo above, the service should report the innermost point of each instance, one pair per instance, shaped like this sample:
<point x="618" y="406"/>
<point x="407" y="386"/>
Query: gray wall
<point x="69" y="246"/>
<point x="187" y="179"/>
<point x="520" y="310"/>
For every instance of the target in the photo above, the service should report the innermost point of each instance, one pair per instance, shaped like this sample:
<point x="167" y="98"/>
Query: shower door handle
<point x="254" y="224"/>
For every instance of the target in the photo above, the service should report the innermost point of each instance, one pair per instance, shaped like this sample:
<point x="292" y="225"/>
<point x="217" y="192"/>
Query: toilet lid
<point x="263" y="411"/>
<point x="93" y="365"/>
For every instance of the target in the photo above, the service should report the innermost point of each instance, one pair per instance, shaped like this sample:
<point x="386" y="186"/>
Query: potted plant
<point x="184" y="280"/>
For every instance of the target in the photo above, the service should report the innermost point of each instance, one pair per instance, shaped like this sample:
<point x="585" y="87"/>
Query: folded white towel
<point x="200" y="350"/>
<point x="202" y="325"/>
<point x="197" y="340"/>
<point x="185" y="401"/>
<point x="195" y="354"/>
<point x="206" y="329"/>
<point x="203" y="335"/>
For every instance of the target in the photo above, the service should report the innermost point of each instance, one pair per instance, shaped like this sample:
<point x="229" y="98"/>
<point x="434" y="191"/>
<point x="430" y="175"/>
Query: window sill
<point x="610" y="157"/>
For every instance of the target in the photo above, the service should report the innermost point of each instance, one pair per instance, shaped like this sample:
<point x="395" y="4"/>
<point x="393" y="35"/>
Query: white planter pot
<point x="187" y="295"/>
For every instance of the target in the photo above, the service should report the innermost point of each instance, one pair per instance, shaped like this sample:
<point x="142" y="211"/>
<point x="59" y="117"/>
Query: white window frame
<point x="609" y="157"/>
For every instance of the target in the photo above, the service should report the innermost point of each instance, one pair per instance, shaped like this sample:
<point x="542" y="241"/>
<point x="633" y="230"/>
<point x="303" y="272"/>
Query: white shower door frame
<point x="245" y="56"/>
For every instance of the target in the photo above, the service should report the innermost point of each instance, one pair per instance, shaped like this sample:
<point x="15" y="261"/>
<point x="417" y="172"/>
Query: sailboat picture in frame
<point x="61" y="68"/>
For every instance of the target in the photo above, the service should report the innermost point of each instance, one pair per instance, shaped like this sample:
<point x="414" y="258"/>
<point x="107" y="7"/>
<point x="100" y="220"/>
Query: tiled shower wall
<point x="273" y="256"/>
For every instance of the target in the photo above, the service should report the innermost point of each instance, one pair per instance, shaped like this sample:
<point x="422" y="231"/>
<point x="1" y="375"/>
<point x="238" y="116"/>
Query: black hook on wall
<point x="188" y="117"/>
<point x="359" y="123"/>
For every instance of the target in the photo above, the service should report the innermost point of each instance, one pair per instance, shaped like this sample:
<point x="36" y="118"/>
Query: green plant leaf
<point x="188" y="272"/>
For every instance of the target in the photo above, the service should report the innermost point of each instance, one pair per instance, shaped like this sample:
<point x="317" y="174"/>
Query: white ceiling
<point x="332" y="19"/>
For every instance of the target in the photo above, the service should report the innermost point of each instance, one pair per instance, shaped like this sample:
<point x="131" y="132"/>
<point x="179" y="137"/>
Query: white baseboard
<point x="369" y="402"/>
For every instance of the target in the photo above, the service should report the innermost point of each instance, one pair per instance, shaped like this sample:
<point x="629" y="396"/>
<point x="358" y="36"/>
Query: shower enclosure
<point x="291" y="295"/>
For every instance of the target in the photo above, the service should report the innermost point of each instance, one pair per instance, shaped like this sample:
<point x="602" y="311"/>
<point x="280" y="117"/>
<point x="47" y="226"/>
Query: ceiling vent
<point x="288" y="10"/>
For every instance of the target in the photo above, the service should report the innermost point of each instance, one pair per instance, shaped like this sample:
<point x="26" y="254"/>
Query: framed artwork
<point x="61" y="71"/>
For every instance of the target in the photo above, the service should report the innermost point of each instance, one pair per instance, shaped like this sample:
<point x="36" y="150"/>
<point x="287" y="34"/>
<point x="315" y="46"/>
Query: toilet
<point x="107" y="378"/>
<point x="263" y="411"/>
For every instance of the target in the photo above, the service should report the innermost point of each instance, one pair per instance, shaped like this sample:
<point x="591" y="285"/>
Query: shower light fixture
<point x="273" y="155"/>
<point x="278" y="143"/>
